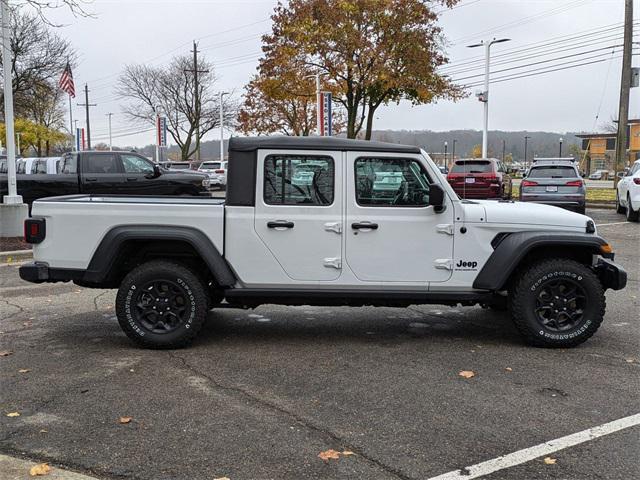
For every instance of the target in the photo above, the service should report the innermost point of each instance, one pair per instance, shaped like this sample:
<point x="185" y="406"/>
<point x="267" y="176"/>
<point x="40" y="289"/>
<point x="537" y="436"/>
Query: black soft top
<point x="250" y="144"/>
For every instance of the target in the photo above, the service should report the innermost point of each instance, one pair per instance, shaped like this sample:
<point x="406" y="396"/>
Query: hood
<point x="531" y="214"/>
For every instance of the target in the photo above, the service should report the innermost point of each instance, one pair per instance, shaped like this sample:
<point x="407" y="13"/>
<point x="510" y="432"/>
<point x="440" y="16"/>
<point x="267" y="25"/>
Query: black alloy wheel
<point x="560" y="304"/>
<point x="162" y="306"/>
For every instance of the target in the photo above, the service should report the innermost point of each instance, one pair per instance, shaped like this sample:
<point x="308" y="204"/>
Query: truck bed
<point x="76" y="224"/>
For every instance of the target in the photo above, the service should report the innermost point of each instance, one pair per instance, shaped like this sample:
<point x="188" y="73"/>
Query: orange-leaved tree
<point x="369" y="52"/>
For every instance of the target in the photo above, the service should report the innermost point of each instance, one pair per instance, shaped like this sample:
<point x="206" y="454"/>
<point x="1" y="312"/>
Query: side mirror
<point x="156" y="171"/>
<point x="436" y="197"/>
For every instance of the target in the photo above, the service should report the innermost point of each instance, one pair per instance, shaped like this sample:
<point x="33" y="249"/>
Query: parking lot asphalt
<point x="262" y="392"/>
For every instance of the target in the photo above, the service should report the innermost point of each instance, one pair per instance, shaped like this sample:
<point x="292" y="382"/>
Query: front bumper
<point x="611" y="274"/>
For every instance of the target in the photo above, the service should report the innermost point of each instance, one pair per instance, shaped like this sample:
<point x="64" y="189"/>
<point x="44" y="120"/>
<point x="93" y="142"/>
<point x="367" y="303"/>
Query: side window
<point x="100" y="163"/>
<point x="39" y="167"/>
<point x="20" y="166"/>
<point x="67" y="165"/>
<point x="389" y="182"/>
<point x="298" y="180"/>
<point x="135" y="164"/>
<point x="3" y="166"/>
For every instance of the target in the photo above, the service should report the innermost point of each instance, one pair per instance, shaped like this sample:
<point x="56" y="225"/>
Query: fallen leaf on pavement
<point x="550" y="460"/>
<point x="327" y="454"/>
<point x="24" y="370"/>
<point x="41" y="469"/>
<point x="13" y="414"/>
<point x="630" y="360"/>
<point x="467" y="374"/>
<point x="124" y="420"/>
<point x="346" y="453"/>
<point x="222" y="478"/>
<point x="5" y="353"/>
<point x="509" y="369"/>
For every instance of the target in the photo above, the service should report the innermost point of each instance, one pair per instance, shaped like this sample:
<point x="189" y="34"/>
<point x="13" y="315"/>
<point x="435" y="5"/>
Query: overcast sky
<point x="139" y="31"/>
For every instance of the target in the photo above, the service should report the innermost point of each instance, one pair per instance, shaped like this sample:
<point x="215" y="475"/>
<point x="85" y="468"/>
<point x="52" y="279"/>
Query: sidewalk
<point x="17" y="469"/>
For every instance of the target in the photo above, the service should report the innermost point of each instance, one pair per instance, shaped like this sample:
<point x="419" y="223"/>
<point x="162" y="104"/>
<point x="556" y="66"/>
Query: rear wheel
<point x="161" y="305"/>
<point x="619" y="208"/>
<point x="557" y="303"/>
<point x="632" y="215"/>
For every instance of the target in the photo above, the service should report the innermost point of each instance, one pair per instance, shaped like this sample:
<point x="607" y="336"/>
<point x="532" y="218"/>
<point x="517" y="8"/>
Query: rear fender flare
<point x="105" y="256"/>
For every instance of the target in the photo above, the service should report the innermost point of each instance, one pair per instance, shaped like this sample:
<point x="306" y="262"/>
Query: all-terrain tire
<point x="632" y="215"/>
<point x="532" y="287"/>
<point x="171" y="289"/>
<point x="619" y="208"/>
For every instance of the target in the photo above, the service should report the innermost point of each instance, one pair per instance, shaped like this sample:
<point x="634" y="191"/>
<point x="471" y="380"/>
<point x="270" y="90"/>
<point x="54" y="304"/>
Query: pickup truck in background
<point x="326" y="221"/>
<point x="102" y="172"/>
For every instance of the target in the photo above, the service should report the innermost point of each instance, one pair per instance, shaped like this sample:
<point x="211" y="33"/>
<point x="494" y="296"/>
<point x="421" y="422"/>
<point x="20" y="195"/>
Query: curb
<point x="13" y="468"/>
<point x="610" y="206"/>
<point x="16" y="256"/>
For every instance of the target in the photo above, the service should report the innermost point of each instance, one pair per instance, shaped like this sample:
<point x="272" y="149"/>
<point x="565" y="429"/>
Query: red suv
<point x="481" y="178"/>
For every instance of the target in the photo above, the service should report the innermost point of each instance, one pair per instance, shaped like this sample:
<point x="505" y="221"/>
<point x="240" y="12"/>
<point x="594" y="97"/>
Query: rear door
<point x="298" y="212"/>
<point x="101" y="173"/>
<point x="392" y="234"/>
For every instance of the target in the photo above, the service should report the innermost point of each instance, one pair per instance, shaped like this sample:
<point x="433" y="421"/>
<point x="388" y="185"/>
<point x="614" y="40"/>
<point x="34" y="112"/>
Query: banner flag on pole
<point x="66" y="81"/>
<point x="325" y="115"/>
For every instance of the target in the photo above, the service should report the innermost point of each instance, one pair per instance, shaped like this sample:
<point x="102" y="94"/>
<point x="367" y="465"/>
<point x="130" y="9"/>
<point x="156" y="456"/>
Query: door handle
<point x="364" y="225"/>
<point x="280" y="224"/>
<point x="132" y="179"/>
<point x="90" y="179"/>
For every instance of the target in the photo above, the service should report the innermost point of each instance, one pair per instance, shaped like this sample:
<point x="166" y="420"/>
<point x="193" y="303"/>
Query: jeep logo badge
<point x="466" y="265"/>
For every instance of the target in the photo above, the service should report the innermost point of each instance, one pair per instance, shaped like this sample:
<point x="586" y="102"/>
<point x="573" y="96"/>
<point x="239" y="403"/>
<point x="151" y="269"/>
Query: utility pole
<point x="446" y="144"/>
<point x="504" y="147"/>
<point x="526" y="139"/>
<point x="86" y="104"/>
<point x="453" y="151"/>
<point x="222" y="94"/>
<point x="12" y="197"/>
<point x="110" y="139"/>
<point x="196" y="95"/>
<point x="484" y="96"/>
<point x="625" y="87"/>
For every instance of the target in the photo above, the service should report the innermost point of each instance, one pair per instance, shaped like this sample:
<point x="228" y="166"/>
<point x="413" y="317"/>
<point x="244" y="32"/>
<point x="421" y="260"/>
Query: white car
<point x="217" y="172"/>
<point x="628" y="194"/>
<point x="336" y="240"/>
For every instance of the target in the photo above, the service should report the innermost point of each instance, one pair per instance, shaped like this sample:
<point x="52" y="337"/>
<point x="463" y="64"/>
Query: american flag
<point x="66" y="81"/>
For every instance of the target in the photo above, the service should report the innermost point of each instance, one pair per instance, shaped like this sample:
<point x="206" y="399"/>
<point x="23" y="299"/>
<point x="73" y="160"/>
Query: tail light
<point x="528" y="183"/>
<point x="574" y="183"/>
<point x="495" y="180"/>
<point x="219" y="171"/>
<point x="34" y="230"/>
<point x="636" y="180"/>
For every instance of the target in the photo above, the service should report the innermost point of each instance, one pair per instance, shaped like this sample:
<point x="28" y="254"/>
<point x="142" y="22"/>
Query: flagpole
<point x="73" y="133"/>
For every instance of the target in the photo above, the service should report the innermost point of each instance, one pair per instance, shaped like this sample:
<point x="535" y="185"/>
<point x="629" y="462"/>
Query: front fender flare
<point x="514" y="247"/>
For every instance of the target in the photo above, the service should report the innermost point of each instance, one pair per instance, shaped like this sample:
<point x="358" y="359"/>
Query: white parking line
<point x="531" y="453"/>
<point x="615" y="223"/>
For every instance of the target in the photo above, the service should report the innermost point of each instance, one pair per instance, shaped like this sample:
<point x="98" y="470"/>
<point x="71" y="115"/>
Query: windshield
<point x="472" y="167"/>
<point x="552" y="172"/>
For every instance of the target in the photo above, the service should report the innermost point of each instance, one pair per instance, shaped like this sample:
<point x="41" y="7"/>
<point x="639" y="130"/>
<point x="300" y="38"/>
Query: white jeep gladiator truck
<point x="325" y="221"/>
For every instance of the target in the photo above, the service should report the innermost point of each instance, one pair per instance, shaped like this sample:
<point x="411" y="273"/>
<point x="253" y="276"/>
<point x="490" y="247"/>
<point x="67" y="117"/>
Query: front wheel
<point x="161" y="305"/>
<point x="557" y="303"/>
<point x="619" y="208"/>
<point x="632" y="215"/>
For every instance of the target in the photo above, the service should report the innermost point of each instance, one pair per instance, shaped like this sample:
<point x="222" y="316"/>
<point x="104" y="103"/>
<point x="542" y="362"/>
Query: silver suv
<point x="554" y="183"/>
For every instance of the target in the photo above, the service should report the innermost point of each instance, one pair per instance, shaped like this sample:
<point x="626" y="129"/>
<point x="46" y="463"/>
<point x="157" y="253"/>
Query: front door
<point x="101" y="173"/>
<point x="392" y="234"/>
<point x="298" y="212"/>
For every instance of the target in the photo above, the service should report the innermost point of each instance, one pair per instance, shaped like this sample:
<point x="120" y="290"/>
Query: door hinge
<point x="443" y="263"/>
<point x="445" y="228"/>
<point x="333" y="227"/>
<point x="333" y="263"/>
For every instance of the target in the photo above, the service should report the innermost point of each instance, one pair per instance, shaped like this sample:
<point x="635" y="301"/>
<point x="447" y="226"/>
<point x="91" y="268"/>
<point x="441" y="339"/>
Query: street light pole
<point x="453" y="151"/>
<point x="445" y="153"/>
<point x="18" y="134"/>
<point x="12" y="197"/>
<point x="110" y="138"/>
<point x="222" y="94"/>
<point x="526" y="139"/>
<point x="560" y="156"/>
<point x="484" y="96"/>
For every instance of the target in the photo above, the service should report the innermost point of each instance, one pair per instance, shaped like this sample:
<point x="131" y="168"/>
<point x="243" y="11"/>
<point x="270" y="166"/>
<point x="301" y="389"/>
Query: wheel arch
<point x="126" y="246"/>
<point x="515" y="250"/>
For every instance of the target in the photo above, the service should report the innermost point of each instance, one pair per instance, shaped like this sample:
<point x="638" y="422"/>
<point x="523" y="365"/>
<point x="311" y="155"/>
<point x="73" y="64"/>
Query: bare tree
<point x="38" y="57"/>
<point x="44" y="107"/>
<point x="171" y="91"/>
<point x="77" y="7"/>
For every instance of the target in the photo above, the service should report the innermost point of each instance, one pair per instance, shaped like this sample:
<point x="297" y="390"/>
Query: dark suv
<point x="481" y="178"/>
<point x="554" y="182"/>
